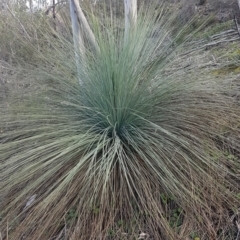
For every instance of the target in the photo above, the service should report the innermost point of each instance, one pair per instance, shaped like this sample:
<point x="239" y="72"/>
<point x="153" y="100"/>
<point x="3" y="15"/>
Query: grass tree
<point x="109" y="139"/>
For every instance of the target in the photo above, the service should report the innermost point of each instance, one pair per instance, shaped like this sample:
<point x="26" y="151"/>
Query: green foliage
<point x="231" y="68"/>
<point x="213" y="29"/>
<point x="131" y="148"/>
<point x="71" y="216"/>
<point x="194" y="236"/>
<point x="175" y="220"/>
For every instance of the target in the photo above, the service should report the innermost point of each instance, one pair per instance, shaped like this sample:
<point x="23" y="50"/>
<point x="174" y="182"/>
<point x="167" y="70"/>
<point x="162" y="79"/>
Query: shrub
<point x="136" y="147"/>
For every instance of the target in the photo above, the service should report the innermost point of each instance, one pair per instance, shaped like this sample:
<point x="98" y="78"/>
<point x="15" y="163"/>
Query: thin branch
<point x="52" y="6"/>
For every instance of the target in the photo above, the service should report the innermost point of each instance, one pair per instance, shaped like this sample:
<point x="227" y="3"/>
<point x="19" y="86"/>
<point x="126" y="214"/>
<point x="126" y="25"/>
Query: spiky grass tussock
<point x="117" y="154"/>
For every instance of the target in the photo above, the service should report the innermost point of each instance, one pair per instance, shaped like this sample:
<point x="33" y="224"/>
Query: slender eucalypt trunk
<point x="130" y="7"/>
<point x="80" y="24"/>
<point x="77" y="38"/>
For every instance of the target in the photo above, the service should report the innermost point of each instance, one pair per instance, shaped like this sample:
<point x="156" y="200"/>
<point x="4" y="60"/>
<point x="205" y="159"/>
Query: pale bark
<point x="31" y="6"/>
<point x="77" y="39"/>
<point x="80" y="24"/>
<point x="130" y="7"/>
<point x="83" y="22"/>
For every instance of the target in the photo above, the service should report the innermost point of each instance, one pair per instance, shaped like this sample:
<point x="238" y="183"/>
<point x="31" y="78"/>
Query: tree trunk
<point x="130" y="7"/>
<point x="236" y="19"/>
<point x="77" y="39"/>
<point x="79" y="21"/>
<point x="31" y="6"/>
<point x="77" y="11"/>
<point x="54" y="14"/>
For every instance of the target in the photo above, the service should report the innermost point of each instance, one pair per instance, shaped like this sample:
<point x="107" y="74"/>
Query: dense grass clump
<point x="134" y="148"/>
